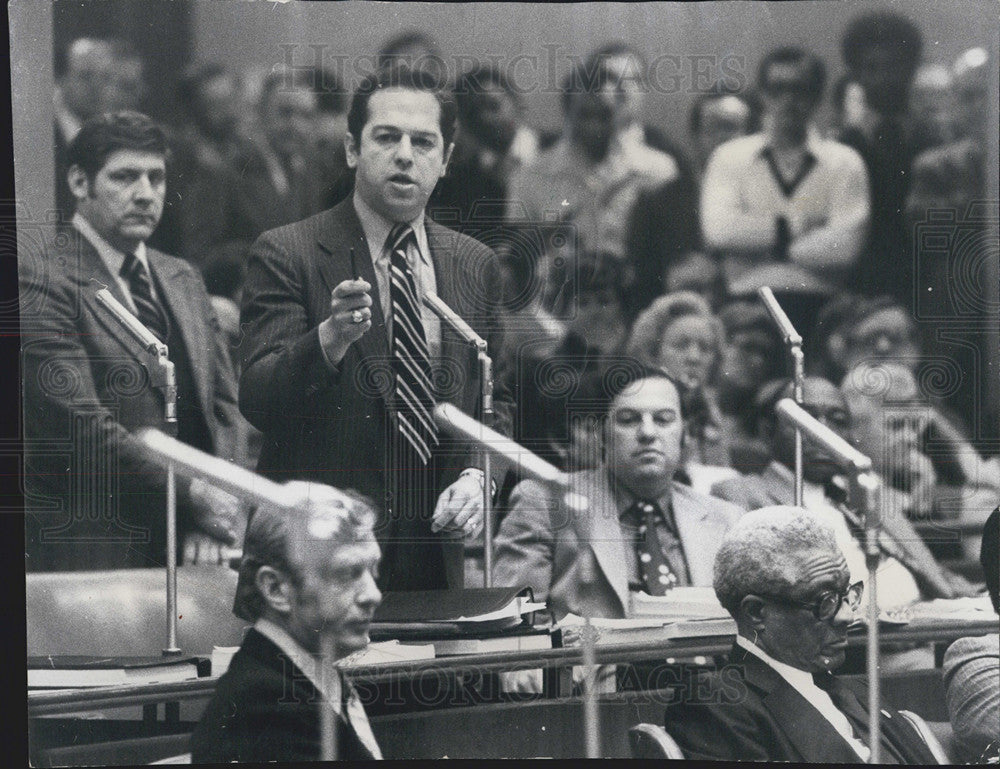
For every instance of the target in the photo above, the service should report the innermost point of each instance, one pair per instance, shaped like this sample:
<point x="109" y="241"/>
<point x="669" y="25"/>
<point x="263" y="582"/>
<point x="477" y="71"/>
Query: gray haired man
<point x="779" y="573"/>
<point x="306" y="572"/>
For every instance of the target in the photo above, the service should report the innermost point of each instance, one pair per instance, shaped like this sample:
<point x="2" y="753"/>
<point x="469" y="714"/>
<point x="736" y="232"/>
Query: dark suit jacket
<point x="88" y="481"/>
<point x="228" y="205"/>
<point x="747" y="712"/>
<point x="770" y="488"/>
<point x="332" y="428"/>
<point x="265" y="709"/>
<point x="539" y="543"/>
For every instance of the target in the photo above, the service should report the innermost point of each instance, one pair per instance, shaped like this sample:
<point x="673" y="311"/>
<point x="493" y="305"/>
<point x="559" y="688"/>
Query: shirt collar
<point x="113" y="258"/>
<point x="624" y="498"/>
<point x="797" y="679"/>
<point x="326" y="678"/>
<point x="377" y="228"/>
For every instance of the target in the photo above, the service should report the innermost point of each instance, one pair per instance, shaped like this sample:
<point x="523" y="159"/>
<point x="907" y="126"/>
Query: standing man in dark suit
<point x="342" y="364"/>
<point x="94" y="497"/>
<point x="780" y="575"/>
<point x="304" y="573"/>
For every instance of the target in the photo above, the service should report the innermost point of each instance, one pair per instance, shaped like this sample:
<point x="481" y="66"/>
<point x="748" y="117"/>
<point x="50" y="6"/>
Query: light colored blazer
<point x="540" y="540"/>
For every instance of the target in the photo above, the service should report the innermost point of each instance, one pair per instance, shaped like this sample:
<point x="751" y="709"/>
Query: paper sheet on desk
<point x="388" y="651"/>
<point x="518" y="609"/>
<point x="976" y="608"/>
<point x="679" y="604"/>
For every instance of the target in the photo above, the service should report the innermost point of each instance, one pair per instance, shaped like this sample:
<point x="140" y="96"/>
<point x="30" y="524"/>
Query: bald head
<point x="101" y="75"/>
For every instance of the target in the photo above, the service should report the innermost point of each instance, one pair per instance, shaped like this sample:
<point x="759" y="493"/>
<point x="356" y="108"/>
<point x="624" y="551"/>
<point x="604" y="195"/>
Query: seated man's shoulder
<point x="971" y="647"/>
<point x="741" y="489"/>
<point x="839" y="154"/>
<point x="714" y="504"/>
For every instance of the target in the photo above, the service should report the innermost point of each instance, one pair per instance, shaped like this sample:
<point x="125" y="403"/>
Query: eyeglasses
<point x="827" y="605"/>
<point x="793" y="87"/>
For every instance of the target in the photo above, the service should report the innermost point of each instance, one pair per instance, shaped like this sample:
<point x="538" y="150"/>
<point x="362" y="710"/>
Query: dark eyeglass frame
<point x="828" y="603"/>
<point x="800" y="88"/>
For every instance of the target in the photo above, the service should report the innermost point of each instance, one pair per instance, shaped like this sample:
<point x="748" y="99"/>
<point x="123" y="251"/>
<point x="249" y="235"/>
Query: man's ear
<point x="447" y="157"/>
<point x="275" y="588"/>
<point x="751" y="612"/>
<point x="351" y="149"/>
<point x="78" y="182"/>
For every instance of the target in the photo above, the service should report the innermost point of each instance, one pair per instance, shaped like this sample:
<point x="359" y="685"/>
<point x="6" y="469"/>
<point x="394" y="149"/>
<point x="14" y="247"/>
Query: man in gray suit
<point x="94" y="497"/>
<point x="647" y="532"/>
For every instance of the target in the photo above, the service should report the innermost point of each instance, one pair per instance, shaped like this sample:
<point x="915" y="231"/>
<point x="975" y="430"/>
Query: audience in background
<point x="330" y="129"/>
<point x="96" y="75"/>
<point x="590" y="313"/>
<point x="972" y="669"/>
<point x="753" y="354"/>
<point x="785" y="208"/>
<point x="273" y="182"/>
<point x="415" y="49"/>
<point x="715" y="118"/>
<point x="679" y="333"/>
<point x="492" y="143"/>
<point x="908" y="570"/>
<point x="882" y="51"/>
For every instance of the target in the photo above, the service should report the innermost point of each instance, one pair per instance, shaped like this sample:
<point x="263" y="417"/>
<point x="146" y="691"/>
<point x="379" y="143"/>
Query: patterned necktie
<point x="411" y="360"/>
<point x="657" y="577"/>
<point x="149" y="311"/>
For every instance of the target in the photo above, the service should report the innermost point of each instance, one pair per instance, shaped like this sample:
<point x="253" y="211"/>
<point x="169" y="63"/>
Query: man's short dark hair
<point x="193" y="78"/>
<point x="584" y="78"/>
<point x="881" y="28"/>
<point x="812" y="64"/>
<point x="600" y="385"/>
<point x="401" y="76"/>
<point x="106" y="134"/>
<point x="331" y="96"/>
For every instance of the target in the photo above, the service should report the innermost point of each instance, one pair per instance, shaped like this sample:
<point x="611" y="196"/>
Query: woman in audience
<point x="678" y="332"/>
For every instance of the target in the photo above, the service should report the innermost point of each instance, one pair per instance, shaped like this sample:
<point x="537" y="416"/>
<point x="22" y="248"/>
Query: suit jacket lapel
<point x="93" y="271"/>
<point x="805" y="727"/>
<point x="178" y="295"/>
<point x="695" y="536"/>
<point x="605" y="534"/>
<point x="343" y="232"/>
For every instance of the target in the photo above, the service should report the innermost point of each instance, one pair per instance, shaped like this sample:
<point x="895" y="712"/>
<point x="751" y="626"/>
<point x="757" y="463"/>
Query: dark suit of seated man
<point x="304" y="572"/>
<point x="781" y="576"/>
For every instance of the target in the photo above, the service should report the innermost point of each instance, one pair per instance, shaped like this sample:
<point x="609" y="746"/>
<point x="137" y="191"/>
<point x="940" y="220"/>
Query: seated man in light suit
<point x="781" y="575"/>
<point x="631" y="490"/>
<point x="305" y="572"/>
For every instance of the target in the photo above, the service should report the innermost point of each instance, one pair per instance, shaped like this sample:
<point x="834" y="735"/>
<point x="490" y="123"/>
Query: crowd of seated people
<point x="617" y="276"/>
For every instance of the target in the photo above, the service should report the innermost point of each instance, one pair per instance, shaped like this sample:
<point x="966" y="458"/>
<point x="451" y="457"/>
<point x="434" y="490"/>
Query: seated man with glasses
<point x="781" y="576"/>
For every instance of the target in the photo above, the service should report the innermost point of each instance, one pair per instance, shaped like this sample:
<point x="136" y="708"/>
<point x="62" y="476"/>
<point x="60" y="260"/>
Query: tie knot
<point x="130" y="265"/>
<point x="399" y="237"/>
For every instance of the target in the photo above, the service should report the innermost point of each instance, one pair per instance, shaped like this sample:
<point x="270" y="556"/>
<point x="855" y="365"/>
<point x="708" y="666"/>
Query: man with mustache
<point x="95" y="498"/>
<point x="342" y="364"/>
<point x="781" y="575"/>
<point x="306" y="572"/>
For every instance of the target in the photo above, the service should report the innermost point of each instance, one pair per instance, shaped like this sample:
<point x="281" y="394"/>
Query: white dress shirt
<point x="325" y="676"/>
<point x="114" y="259"/>
<point x="377" y="229"/>
<point x="803" y="683"/>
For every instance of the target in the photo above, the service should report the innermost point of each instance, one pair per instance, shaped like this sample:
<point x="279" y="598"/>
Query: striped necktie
<point x="149" y="311"/>
<point x="411" y="360"/>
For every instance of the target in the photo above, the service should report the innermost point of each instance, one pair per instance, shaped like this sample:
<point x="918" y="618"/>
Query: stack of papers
<point x="679" y="603"/>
